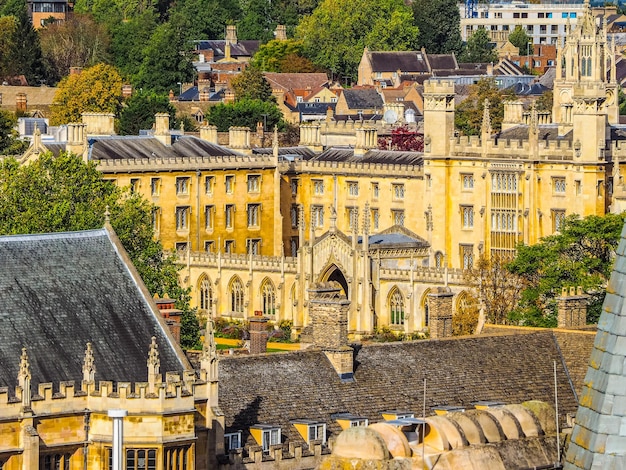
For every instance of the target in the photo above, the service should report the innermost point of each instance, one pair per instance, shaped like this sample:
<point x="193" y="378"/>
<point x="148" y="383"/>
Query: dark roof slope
<point x="60" y="291"/>
<point x="358" y="98"/>
<point x="277" y="388"/>
<point x="190" y="146"/>
<point x="410" y="61"/>
<point x="389" y="157"/>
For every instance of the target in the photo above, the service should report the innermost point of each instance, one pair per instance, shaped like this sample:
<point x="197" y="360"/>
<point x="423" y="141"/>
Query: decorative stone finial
<point x="208" y="359"/>
<point x="89" y="366"/>
<point x="23" y="380"/>
<point x="366" y="219"/>
<point x="333" y="218"/>
<point x="24" y="372"/>
<point x="154" y="365"/>
<point x="486" y="126"/>
<point x="107" y="215"/>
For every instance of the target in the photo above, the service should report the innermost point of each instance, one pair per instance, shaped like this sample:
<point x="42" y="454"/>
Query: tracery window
<point x="268" y="298"/>
<point x="396" y="307"/>
<point x="236" y="294"/>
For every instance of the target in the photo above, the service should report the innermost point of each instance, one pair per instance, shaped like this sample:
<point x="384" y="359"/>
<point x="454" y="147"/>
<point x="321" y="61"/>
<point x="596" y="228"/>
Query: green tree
<point x="128" y="41"/>
<point x="469" y="113"/>
<point x="71" y="195"/>
<point x="257" y="21"/>
<point x="544" y="102"/>
<point x="96" y="89"/>
<point x="8" y="26"/>
<point x="580" y="255"/>
<point x="479" y="48"/>
<point x="252" y="85"/>
<point x="439" y="25"/>
<point x="269" y="55"/>
<point x="244" y="113"/>
<point x="521" y="40"/>
<point x="9" y="144"/>
<point x="203" y="19"/>
<point x="77" y="42"/>
<point x="139" y="110"/>
<point x="337" y="31"/>
<point x="163" y="64"/>
<point x="26" y="54"/>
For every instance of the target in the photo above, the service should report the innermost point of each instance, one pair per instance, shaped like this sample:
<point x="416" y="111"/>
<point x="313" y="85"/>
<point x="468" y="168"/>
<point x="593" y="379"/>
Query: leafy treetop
<point x="252" y="85"/>
<point x="479" y="48"/>
<point x="95" y="89"/>
<point x="337" y="31"/>
<point x="139" y="110"/>
<point x="580" y="255"/>
<point x="469" y="113"/>
<point x="439" y="25"/>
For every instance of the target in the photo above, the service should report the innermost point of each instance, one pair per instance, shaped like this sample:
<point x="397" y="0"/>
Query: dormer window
<point x="266" y="435"/>
<point x="232" y="440"/>
<point x="347" y="420"/>
<point x="311" y="430"/>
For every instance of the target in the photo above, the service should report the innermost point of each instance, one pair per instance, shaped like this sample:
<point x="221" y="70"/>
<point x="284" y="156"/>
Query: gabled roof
<point x="361" y="98"/>
<point x="442" y="62"/>
<point x="62" y="290"/>
<point x="279" y="388"/>
<point x="241" y="49"/>
<point x="295" y="81"/>
<point x="523" y="89"/>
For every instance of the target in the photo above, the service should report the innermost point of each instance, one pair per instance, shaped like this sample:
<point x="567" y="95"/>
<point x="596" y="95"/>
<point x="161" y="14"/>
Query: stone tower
<point x="585" y="89"/>
<point x="599" y="435"/>
<point x="438" y="116"/>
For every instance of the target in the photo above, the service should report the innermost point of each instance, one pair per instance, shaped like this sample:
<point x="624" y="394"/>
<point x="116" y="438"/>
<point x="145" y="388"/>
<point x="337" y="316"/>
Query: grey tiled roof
<point x="362" y="98"/>
<point x="390" y="157"/>
<point x="599" y="435"/>
<point x="410" y="61"/>
<point x="137" y="147"/>
<point x="60" y="291"/>
<point x="277" y="388"/>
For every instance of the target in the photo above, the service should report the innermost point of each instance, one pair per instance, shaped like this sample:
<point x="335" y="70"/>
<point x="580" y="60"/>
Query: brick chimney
<point x="258" y="333"/>
<point x="170" y="314"/>
<point x="440" y="312"/>
<point x="329" y="321"/>
<point x="572" y="308"/>
<point x="21" y="102"/>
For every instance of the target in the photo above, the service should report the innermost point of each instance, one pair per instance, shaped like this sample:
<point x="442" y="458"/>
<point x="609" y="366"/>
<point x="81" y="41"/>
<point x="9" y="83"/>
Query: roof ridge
<point x="54" y="235"/>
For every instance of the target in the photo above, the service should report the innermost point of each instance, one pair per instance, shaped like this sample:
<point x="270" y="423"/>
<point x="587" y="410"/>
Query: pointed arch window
<point x="268" y="298"/>
<point x="396" y="307"/>
<point x="206" y="294"/>
<point x="236" y="295"/>
<point x="439" y="260"/>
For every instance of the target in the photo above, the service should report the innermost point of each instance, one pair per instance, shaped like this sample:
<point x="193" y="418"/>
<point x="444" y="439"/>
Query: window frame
<point x="229" y="184"/>
<point x="183" y="185"/>
<point x="253" y="214"/>
<point x="254" y="183"/>
<point x="182" y="218"/>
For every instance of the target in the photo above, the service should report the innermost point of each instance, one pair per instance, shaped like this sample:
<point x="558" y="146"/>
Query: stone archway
<point x="333" y="273"/>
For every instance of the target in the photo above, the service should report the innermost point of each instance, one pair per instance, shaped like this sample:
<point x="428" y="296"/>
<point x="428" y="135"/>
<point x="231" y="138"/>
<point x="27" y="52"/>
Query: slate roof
<point x="395" y="236"/>
<point x="137" y="147"/>
<point x="60" y="291"/>
<point x="394" y="157"/>
<point x="392" y="61"/>
<point x="277" y="388"/>
<point x="548" y="132"/>
<point x="361" y="98"/>
<point x="241" y="49"/>
<point x="304" y="152"/>
<point x="524" y="89"/>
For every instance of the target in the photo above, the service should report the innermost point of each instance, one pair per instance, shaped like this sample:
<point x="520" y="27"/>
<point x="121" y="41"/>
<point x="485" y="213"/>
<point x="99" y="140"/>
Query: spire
<point x="486" y="126"/>
<point x="588" y="21"/>
<point x="23" y="379"/>
<point x="89" y="367"/>
<point x="107" y="216"/>
<point x="154" y="365"/>
<point x="275" y="143"/>
<point x="208" y="359"/>
<point x="366" y="219"/>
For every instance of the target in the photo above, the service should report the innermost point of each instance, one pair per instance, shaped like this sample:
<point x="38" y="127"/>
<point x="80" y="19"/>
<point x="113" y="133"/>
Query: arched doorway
<point x="333" y="273"/>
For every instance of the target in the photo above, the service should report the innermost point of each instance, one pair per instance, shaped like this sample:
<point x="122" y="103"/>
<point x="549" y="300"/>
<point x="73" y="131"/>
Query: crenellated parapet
<point x="514" y="148"/>
<point x="359" y="168"/>
<point x="237" y="261"/>
<point x="186" y="163"/>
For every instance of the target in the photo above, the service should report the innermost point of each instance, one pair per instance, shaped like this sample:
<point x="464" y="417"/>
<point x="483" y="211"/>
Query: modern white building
<point x="543" y="22"/>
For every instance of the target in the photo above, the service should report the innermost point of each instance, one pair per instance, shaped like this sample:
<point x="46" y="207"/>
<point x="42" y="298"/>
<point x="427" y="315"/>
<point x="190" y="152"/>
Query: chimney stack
<point x="258" y="333"/>
<point x="162" y="128"/>
<point x="440" y="312"/>
<point x="209" y="133"/>
<point x="239" y="139"/>
<point x="170" y="314"/>
<point x="572" y="308"/>
<point x="329" y="321"/>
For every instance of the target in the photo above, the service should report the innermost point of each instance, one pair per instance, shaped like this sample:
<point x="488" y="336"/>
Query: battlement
<point x="353" y="167"/>
<point x="590" y="90"/>
<point x="516" y="148"/>
<point x="174" y="394"/>
<point x="186" y="163"/>
<point x="439" y="87"/>
<point x="236" y="261"/>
